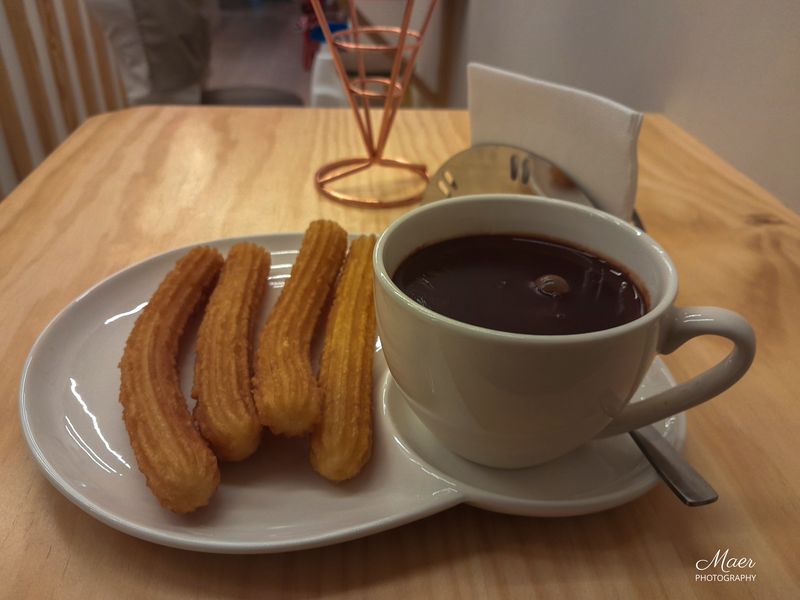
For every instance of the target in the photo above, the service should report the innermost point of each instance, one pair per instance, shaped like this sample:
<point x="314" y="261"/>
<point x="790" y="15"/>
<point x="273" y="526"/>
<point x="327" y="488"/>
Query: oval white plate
<point x="274" y="501"/>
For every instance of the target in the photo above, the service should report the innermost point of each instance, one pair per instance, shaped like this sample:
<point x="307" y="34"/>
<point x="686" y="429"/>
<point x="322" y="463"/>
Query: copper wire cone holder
<point x="360" y="90"/>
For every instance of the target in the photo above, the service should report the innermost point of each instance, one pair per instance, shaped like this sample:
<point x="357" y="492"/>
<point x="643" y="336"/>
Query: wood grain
<point x="134" y="183"/>
<point x="32" y="71"/>
<point x="80" y="38"/>
<point x="58" y="61"/>
<point x="104" y="65"/>
<point x="9" y="118"/>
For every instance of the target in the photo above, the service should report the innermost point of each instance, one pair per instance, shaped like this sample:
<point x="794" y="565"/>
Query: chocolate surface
<point x="520" y="284"/>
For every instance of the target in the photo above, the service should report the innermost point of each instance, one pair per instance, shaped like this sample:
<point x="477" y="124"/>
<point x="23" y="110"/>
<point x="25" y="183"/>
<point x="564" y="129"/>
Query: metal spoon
<point x="490" y="168"/>
<point x="679" y="475"/>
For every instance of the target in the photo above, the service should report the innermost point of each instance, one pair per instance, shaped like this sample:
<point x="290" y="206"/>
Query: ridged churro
<point x="222" y="375"/>
<point x="287" y="396"/>
<point x="180" y="468"/>
<point x="341" y="443"/>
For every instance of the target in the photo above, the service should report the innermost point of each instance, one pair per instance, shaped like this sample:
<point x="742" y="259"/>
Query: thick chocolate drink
<point x="521" y="285"/>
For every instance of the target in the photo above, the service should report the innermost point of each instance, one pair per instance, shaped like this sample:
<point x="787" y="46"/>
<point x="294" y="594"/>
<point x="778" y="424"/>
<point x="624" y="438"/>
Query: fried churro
<point x="287" y="396"/>
<point x="341" y="443"/>
<point x="222" y="384"/>
<point x="180" y="468"/>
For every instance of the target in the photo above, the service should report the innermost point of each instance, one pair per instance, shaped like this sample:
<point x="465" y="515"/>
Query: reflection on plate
<point x="274" y="501"/>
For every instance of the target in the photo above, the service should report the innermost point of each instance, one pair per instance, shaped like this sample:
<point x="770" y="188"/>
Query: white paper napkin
<point x="591" y="138"/>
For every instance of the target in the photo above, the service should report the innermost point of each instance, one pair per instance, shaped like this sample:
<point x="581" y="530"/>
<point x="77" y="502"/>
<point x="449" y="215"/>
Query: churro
<point x="222" y="375"/>
<point x="180" y="468"/>
<point x="341" y="443"/>
<point x="287" y="396"/>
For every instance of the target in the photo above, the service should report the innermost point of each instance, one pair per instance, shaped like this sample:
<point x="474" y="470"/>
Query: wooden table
<point x="135" y="183"/>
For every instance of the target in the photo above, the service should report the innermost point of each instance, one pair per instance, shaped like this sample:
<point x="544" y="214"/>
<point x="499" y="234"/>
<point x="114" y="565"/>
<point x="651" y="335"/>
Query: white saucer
<point x="597" y="476"/>
<point x="274" y="501"/>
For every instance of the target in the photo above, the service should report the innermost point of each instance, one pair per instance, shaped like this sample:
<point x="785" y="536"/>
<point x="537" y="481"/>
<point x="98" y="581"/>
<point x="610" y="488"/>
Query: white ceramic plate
<point x="274" y="501"/>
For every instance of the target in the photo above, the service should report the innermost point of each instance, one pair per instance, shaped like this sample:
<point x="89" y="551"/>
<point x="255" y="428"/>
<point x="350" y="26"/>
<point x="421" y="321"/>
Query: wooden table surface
<point x="132" y="184"/>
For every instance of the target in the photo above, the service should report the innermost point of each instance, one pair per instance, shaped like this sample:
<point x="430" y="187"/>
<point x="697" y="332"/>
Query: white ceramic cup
<point x="515" y="400"/>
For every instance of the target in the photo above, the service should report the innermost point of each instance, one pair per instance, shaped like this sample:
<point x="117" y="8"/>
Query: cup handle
<point x="684" y="324"/>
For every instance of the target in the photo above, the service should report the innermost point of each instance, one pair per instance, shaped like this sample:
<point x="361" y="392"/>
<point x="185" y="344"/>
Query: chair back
<point x="56" y="70"/>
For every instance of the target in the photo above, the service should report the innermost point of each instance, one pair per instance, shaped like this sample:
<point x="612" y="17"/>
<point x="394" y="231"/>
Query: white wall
<point x="728" y="71"/>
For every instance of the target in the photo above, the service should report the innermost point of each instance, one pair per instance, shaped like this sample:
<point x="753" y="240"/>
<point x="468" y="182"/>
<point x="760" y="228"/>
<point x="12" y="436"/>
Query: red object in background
<point x="312" y="34"/>
<point x="310" y="46"/>
<point x="306" y="23"/>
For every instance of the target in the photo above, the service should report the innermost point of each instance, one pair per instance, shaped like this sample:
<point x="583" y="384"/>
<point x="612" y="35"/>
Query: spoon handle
<point x="683" y="480"/>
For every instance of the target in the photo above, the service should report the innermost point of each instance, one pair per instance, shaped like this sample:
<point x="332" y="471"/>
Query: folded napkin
<point x="591" y="138"/>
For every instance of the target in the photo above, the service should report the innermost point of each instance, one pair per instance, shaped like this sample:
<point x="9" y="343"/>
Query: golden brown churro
<point x="222" y="384"/>
<point x="341" y="443"/>
<point x="287" y="396"/>
<point x="180" y="468"/>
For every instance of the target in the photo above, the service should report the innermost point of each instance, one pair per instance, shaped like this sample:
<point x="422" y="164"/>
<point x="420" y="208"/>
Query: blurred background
<point x="727" y="71"/>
